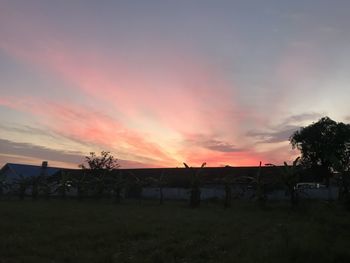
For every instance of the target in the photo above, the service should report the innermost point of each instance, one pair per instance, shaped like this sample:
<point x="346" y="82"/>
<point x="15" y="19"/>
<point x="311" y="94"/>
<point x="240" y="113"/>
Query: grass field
<point x="92" y="231"/>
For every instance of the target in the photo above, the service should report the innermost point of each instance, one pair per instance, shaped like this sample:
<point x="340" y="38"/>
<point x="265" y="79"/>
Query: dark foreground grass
<point x="91" y="231"/>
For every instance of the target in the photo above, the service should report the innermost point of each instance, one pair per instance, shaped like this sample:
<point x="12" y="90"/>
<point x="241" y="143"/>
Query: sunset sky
<point x="159" y="83"/>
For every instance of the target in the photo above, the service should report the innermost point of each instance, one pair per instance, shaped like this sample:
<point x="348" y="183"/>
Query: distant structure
<point x="178" y="180"/>
<point x="14" y="170"/>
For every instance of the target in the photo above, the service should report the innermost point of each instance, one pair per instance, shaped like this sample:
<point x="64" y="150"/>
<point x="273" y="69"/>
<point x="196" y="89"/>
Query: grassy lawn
<point x="92" y="231"/>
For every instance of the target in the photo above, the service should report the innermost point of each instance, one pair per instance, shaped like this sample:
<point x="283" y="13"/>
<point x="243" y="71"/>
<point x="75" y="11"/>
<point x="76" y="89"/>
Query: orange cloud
<point x="92" y="127"/>
<point x="144" y="107"/>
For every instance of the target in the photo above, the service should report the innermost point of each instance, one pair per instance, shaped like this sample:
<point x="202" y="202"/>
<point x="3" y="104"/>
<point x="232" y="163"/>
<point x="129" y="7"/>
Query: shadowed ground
<point x="91" y="231"/>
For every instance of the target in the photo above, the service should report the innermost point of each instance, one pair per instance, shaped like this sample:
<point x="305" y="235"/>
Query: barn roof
<point x="26" y="170"/>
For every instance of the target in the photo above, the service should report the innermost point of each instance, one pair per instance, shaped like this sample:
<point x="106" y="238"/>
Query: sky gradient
<point x="159" y="83"/>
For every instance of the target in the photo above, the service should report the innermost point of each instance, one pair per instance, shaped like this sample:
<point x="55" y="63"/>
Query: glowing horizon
<point x="163" y="83"/>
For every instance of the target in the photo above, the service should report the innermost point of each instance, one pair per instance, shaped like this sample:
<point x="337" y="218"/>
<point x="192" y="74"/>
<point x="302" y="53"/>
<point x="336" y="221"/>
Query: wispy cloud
<point x="35" y="154"/>
<point x="302" y="118"/>
<point x="282" y="131"/>
<point x="39" y="152"/>
<point x="91" y="127"/>
<point x="210" y="143"/>
<point x="273" y="136"/>
<point x="27" y="129"/>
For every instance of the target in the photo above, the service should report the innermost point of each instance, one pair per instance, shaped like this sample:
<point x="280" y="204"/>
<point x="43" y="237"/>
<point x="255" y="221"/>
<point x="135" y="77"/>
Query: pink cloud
<point x="192" y="105"/>
<point x="212" y="158"/>
<point x="89" y="126"/>
<point x="183" y="96"/>
<point x="180" y="98"/>
<point x="180" y="90"/>
<point x="170" y="90"/>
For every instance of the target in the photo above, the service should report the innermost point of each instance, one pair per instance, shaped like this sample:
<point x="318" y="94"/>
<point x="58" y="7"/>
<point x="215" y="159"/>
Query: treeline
<point x="118" y="184"/>
<point x="324" y="147"/>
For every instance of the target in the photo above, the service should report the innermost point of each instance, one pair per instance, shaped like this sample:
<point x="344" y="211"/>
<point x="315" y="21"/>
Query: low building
<point x="13" y="171"/>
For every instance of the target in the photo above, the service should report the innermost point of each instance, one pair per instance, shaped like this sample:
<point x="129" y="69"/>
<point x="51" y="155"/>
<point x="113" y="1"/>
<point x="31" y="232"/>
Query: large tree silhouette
<point x="105" y="161"/>
<point x="323" y="145"/>
<point x="98" y="169"/>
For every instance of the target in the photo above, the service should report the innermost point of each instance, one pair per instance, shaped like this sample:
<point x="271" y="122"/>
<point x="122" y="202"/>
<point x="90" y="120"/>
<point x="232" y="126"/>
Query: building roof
<point x="26" y="170"/>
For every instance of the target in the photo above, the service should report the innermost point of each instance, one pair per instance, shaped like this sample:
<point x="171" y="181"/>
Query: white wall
<point x="218" y="192"/>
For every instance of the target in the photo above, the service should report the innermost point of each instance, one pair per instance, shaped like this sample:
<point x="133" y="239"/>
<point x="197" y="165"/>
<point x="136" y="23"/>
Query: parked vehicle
<point x="309" y="185"/>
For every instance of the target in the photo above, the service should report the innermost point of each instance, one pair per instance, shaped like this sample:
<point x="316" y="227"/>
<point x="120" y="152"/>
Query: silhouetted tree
<point x="98" y="168"/>
<point x="21" y="184"/>
<point x="135" y="185"/>
<point x="227" y="181"/>
<point x="64" y="184"/>
<point x="321" y="143"/>
<point x="45" y="186"/>
<point x="159" y="182"/>
<point x="116" y="183"/>
<point x="80" y="182"/>
<point x="344" y="188"/>
<point x="343" y="169"/>
<point x="105" y="161"/>
<point x="290" y="176"/>
<point x="230" y="180"/>
<point x="4" y="185"/>
<point x="195" y="195"/>
<point x="258" y="185"/>
<point x="228" y="194"/>
<point x="34" y="183"/>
